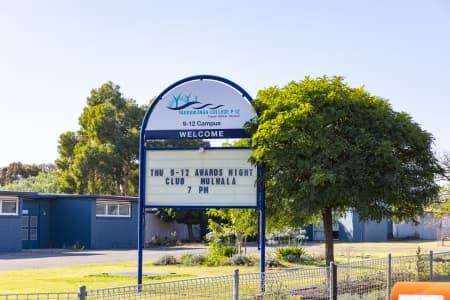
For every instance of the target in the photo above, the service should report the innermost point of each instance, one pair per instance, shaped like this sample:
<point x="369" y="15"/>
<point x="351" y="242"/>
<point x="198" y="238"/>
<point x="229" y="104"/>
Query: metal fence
<point x="369" y="279"/>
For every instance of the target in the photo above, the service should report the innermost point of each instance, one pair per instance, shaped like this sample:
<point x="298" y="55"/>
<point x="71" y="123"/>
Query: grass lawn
<point x="68" y="279"/>
<point x="345" y="252"/>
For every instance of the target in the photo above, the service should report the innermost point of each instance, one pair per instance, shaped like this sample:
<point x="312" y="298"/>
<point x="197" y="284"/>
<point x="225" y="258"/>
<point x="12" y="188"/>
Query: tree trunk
<point x="328" y="233"/>
<point x="327" y="216"/>
<point x="190" y="233"/>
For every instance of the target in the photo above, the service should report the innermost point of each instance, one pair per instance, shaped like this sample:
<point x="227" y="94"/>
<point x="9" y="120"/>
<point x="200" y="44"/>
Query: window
<point x="9" y="206"/>
<point x="113" y="209"/>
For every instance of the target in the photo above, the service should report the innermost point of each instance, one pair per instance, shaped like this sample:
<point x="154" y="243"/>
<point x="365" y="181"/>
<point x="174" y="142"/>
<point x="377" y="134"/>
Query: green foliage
<point x="42" y="183"/>
<point x="166" y="260"/>
<point x="102" y="156"/>
<point x="441" y="207"/>
<point x="17" y="171"/>
<point x="329" y="148"/>
<point x="217" y="248"/>
<point x="192" y="259"/>
<point x="421" y="264"/>
<point x="283" y="252"/>
<point x="229" y="223"/>
<point x="237" y="143"/>
<point x="215" y="259"/>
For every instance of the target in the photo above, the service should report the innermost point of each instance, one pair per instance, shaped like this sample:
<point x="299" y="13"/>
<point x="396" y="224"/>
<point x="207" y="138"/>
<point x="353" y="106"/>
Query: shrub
<point x="166" y="260"/>
<point x="197" y="259"/>
<point x="313" y="259"/>
<point x="228" y="251"/>
<point x="272" y="262"/>
<point x="192" y="259"/>
<point x="185" y="259"/>
<point x="238" y="260"/>
<point x="292" y="258"/>
<point x="216" y="260"/>
<point x="297" y="251"/>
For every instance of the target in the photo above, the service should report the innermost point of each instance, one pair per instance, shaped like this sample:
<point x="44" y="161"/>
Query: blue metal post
<point x="142" y="164"/>
<point x="262" y="230"/>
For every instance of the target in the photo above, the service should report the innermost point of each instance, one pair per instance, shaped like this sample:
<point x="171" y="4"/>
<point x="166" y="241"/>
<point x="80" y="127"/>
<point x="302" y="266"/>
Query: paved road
<point x="47" y="258"/>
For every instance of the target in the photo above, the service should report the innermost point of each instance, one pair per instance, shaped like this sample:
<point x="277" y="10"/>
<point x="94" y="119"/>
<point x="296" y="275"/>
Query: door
<point x="30" y="224"/>
<point x="36" y="224"/>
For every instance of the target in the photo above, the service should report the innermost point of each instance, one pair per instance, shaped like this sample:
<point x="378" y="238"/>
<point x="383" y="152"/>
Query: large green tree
<point x="329" y="148"/>
<point x="102" y="156"/>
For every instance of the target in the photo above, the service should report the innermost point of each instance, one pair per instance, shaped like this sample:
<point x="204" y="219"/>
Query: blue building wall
<point x="10" y="232"/>
<point x="65" y="221"/>
<point x="113" y="232"/>
<point x="71" y="222"/>
<point x="376" y="231"/>
<point x="309" y="232"/>
<point x="351" y="229"/>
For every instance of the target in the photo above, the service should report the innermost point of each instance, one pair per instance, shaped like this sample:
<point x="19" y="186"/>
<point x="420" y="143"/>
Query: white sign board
<point x="199" y="109"/>
<point x="200" y="178"/>
<point x="421" y="297"/>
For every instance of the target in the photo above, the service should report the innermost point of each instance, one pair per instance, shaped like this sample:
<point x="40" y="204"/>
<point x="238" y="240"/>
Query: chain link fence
<point x="369" y="279"/>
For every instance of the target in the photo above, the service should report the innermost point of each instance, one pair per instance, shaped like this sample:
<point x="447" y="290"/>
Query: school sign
<point x="198" y="107"/>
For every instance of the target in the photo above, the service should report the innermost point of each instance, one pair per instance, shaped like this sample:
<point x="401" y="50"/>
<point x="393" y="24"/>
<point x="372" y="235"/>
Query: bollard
<point x="431" y="264"/>
<point x="236" y="285"/>
<point x="82" y="293"/>
<point x="389" y="276"/>
<point x="333" y="281"/>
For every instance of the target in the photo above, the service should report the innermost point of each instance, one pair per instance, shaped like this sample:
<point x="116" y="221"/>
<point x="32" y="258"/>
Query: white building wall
<point x="429" y="228"/>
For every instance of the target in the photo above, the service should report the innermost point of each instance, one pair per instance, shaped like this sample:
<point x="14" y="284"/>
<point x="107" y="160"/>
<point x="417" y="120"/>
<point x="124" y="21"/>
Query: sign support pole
<point x="262" y="230"/>
<point x="141" y="210"/>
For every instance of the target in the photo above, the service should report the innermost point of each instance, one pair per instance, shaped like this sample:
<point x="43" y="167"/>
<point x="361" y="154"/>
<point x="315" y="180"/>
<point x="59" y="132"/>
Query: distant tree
<point x="42" y="183"/>
<point x="102" y="156"/>
<point x="445" y="161"/>
<point x="17" y="170"/>
<point x="328" y="148"/>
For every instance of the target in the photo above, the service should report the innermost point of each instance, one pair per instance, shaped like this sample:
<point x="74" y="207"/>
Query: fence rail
<point x="369" y="279"/>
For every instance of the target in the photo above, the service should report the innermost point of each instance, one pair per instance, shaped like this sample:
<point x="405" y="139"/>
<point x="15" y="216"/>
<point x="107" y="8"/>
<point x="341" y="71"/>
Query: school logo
<point x="180" y="102"/>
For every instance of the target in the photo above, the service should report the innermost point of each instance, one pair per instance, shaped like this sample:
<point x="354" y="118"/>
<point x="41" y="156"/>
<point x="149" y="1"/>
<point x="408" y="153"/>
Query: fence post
<point x="333" y="273"/>
<point x="389" y="277"/>
<point x="82" y="293"/>
<point x="236" y="285"/>
<point x="431" y="264"/>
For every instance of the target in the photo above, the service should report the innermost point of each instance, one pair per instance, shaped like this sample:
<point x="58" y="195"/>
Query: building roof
<point x="35" y="195"/>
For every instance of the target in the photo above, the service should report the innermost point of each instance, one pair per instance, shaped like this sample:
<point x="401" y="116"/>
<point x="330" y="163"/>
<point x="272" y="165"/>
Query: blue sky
<point x="52" y="53"/>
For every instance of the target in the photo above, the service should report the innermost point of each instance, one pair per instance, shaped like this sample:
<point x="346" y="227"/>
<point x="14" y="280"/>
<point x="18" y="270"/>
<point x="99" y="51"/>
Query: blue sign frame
<point x="170" y="134"/>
